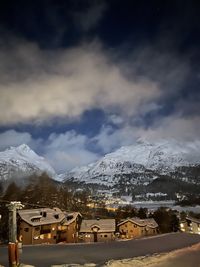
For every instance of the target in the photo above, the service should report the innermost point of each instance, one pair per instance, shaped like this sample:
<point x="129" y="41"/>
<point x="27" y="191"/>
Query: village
<point x="52" y="226"/>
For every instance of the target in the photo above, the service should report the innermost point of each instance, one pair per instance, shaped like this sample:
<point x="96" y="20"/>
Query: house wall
<point x="132" y="230"/>
<point x="68" y="233"/>
<point x="190" y="227"/>
<point x="195" y="227"/>
<point x="101" y="237"/>
<point x="88" y="237"/>
<point x="105" y="237"/>
<point x="25" y="233"/>
<point x="72" y="233"/>
<point x="37" y="234"/>
<point x="151" y="231"/>
<point x="45" y="234"/>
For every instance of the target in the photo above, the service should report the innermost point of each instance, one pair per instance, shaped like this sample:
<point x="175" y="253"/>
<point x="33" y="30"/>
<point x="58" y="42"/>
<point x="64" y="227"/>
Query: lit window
<point x="49" y="236"/>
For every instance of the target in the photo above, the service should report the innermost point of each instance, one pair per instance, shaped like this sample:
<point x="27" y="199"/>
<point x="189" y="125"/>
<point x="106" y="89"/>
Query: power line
<point x="35" y="205"/>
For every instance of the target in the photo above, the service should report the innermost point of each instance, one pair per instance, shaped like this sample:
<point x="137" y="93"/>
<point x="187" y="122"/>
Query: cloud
<point x="172" y="127"/>
<point x="179" y="128"/>
<point x="68" y="150"/>
<point x="13" y="138"/>
<point x="38" y="85"/>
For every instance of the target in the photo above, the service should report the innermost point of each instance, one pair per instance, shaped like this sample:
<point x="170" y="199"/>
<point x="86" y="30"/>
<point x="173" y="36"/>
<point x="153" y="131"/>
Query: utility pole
<point x="13" y="252"/>
<point x="13" y="207"/>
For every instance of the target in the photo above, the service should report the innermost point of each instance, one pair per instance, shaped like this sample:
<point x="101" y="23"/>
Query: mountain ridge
<point x="163" y="157"/>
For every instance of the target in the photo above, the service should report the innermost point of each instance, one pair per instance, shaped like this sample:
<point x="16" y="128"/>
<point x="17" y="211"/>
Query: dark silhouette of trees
<point x="166" y="219"/>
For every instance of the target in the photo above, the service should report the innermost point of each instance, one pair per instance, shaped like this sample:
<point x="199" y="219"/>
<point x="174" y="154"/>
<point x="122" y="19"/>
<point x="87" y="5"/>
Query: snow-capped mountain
<point x="143" y="161"/>
<point x="21" y="161"/>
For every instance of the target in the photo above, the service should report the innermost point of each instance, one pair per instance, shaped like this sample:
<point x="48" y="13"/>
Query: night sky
<point x="79" y="79"/>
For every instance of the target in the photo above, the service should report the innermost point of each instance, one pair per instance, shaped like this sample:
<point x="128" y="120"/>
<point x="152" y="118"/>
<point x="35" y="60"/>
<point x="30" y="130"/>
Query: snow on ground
<point x="186" y="257"/>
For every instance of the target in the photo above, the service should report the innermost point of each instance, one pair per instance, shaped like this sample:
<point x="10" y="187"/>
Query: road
<point x="99" y="253"/>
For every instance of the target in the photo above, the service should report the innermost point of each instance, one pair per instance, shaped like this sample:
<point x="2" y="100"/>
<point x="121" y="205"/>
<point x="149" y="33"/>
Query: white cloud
<point x="172" y="127"/>
<point x="37" y="85"/>
<point x="68" y="150"/>
<point x="109" y="139"/>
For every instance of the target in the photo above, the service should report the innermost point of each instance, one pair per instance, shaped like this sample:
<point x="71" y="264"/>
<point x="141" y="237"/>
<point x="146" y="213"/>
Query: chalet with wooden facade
<point x="99" y="230"/>
<point x="68" y="230"/>
<point x="190" y="225"/>
<point x="136" y="227"/>
<point x="37" y="226"/>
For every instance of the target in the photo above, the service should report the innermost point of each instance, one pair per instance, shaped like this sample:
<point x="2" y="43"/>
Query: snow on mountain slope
<point x="162" y="156"/>
<point x="21" y="161"/>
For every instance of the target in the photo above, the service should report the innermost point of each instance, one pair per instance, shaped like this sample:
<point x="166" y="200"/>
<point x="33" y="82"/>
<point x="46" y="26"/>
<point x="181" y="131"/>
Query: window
<point x="35" y="219"/>
<point x="70" y="217"/>
<point x="105" y="236"/>
<point x="135" y="226"/>
<point x="45" y="230"/>
<point x="49" y="236"/>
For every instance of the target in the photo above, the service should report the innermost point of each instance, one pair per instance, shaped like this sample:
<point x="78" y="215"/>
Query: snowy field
<point x="186" y="257"/>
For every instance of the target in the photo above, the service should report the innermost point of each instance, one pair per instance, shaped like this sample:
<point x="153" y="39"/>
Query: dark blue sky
<point x="81" y="78"/>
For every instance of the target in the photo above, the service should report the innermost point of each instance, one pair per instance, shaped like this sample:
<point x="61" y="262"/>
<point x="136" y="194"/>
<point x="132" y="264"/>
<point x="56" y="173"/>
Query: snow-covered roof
<point x="71" y="217"/>
<point x="192" y="219"/>
<point x="150" y="222"/>
<point x="42" y="216"/>
<point x="103" y="225"/>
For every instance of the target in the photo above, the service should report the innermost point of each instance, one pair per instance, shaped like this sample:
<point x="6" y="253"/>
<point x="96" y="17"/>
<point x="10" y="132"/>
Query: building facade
<point x="37" y="226"/>
<point x="190" y="225"/>
<point x="136" y="227"/>
<point x="68" y="230"/>
<point x="100" y="230"/>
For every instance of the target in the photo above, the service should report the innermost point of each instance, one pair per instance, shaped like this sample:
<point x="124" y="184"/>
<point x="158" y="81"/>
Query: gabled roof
<point x="71" y="217"/>
<point x="103" y="225"/>
<point x="193" y="219"/>
<point x="150" y="222"/>
<point x="42" y="216"/>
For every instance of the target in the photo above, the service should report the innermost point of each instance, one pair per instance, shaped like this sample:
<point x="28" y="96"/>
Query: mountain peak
<point x="24" y="161"/>
<point x="24" y="147"/>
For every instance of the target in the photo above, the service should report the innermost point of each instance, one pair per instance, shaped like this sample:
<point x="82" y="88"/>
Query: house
<point x="68" y="230"/>
<point x="136" y="227"/>
<point x="37" y="226"/>
<point x="99" y="230"/>
<point x="190" y="225"/>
